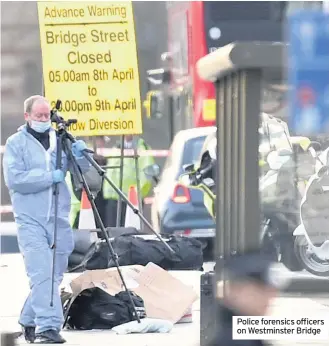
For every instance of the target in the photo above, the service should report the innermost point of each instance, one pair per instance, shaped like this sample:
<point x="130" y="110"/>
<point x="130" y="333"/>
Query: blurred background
<point x="21" y="65"/>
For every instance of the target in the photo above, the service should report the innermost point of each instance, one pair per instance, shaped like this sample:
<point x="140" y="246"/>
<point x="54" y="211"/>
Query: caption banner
<point x="269" y="328"/>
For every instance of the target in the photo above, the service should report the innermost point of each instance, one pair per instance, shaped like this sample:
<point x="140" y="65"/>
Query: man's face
<point x="40" y="112"/>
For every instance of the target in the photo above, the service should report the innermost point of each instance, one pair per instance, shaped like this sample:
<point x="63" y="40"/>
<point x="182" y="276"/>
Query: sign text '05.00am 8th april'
<point x="90" y="63"/>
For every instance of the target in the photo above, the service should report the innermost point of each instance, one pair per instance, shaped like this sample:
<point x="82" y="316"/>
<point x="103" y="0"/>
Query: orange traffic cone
<point x="86" y="219"/>
<point x="132" y="219"/>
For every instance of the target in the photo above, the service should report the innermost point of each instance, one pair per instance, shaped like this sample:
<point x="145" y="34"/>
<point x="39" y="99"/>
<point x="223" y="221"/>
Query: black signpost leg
<point x="119" y="206"/>
<point x="138" y="186"/>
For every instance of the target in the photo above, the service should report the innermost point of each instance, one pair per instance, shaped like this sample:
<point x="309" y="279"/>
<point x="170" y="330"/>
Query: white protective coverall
<point x="28" y="170"/>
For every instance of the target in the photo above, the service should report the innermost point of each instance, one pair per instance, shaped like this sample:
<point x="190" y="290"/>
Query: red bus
<point x="196" y="28"/>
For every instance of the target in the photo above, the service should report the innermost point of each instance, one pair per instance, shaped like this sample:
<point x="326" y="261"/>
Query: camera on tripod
<point x="62" y="124"/>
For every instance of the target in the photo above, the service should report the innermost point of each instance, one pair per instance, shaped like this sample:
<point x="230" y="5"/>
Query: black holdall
<point x="136" y="250"/>
<point x="132" y="249"/>
<point x="139" y="304"/>
<point x="96" y="309"/>
<point x="89" y="254"/>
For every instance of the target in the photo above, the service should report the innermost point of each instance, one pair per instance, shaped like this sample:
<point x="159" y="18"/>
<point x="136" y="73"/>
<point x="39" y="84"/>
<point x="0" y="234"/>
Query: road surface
<point x="14" y="289"/>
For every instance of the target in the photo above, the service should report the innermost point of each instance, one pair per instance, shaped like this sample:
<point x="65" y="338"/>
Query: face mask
<point x="40" y="126"/>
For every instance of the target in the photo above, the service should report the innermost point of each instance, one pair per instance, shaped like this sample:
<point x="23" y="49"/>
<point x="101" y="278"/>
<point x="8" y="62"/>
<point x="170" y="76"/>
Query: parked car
<point x="176" y="208"/>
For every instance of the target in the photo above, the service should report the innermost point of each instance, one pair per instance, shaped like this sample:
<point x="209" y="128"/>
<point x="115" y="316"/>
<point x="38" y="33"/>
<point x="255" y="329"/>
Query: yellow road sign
<point x="90" y="62"/>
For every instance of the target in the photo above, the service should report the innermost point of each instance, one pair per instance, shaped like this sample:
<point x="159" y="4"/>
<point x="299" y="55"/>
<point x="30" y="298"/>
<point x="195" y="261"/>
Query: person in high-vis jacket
<point x="92" y="180"/>
<point x="129" y="178"/>
<point x="75" y="202"/>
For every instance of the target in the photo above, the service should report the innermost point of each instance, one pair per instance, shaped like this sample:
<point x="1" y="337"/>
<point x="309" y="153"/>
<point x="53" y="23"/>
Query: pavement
<point x="8" y="238"/>
<point x="14" y="289"/>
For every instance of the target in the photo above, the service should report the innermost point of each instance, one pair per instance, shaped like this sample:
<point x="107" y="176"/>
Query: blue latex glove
<point x="78" y="147"/>
<point x="58" y="176"/>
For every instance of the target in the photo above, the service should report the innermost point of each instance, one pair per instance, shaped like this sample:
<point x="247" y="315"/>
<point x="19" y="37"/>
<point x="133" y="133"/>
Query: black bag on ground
<point x="100" y="258"/>
<point x="96" y="309"/>
<point x="135" y="250"/>
<point x="189" y="254"/>
<point x="98" y="255"/>
<point x="139" y="304"/>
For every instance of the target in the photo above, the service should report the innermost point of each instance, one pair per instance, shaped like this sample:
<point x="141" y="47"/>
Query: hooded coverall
<point x="28" y="170"/>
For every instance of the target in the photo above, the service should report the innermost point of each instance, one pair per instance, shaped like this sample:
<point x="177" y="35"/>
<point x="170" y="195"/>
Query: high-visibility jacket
<point x="209" y="199"/>
<point x="75" y="203"/>
<point x="129" y="173"/>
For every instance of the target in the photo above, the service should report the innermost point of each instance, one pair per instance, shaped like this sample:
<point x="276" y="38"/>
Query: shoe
<point x="29" y="334"/>
<point x="49" y="337"/>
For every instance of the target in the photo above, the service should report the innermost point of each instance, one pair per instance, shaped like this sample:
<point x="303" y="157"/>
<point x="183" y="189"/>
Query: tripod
<point x="64" y="141"/>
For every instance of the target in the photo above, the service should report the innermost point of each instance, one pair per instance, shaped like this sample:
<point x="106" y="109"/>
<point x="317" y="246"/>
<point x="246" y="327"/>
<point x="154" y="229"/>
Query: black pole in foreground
<point x="122" y="157"/>
<point x="239" y="71"/>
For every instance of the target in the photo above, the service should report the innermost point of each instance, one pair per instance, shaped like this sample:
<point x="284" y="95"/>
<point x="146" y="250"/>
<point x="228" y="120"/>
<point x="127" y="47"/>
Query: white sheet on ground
<point x="146" y="325"/>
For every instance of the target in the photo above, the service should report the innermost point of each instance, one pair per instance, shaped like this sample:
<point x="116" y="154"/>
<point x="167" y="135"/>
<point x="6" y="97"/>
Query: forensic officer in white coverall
<point x="29" y="166"/>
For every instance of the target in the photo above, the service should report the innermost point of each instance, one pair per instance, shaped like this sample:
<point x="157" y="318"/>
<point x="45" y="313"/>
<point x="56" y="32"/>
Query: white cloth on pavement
<point x="146" y="325"/>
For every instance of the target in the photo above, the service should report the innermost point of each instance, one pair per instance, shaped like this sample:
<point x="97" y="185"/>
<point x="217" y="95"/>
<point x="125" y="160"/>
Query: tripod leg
<point x="59" y="148"/>
<point x="113" y="254"/>
<point x="53" y="247"/>
<point x="99" y="221"/>
<point x="140" y="215"/>
<point x="101" y="172"/>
